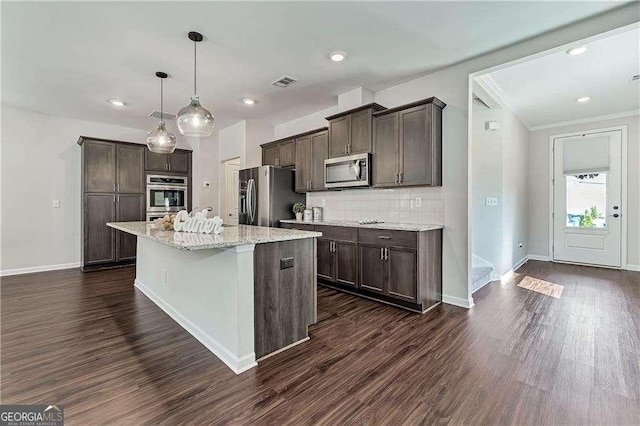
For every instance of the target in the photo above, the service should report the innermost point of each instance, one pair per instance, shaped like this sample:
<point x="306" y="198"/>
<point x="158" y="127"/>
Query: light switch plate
<point x="56" y="204"/>
<point x="491" y="201"/>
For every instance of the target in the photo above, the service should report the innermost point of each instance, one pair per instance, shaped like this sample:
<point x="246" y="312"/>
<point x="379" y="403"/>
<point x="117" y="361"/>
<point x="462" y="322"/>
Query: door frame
<point x="222" y="188"/>
<point x="623" y="188"/>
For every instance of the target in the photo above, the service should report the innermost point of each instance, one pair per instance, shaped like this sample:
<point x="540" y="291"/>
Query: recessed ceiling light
<point x="577" y="50"/>
<point x="338" y="56"/>
<point x="116" y="102"/>
<point x="248" y="101"/>
<point x="583" y="99"/>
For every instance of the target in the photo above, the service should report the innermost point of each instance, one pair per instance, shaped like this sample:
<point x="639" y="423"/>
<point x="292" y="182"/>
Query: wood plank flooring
<point x="95" y="344"/>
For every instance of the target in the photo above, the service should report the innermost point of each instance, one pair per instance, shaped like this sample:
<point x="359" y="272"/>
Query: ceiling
<point x="544" y="91"/>
<point x="69" y="58"/>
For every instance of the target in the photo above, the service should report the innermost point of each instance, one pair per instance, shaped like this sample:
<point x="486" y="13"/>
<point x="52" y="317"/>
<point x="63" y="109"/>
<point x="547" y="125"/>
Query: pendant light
<point x="161" y="140"/>
<point x="194" y="119"/>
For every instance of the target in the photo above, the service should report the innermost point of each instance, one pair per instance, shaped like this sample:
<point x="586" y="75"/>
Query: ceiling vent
<point x="164" y="116"/>
<point x="635" y="77"/>
<point x="284" y="81"/>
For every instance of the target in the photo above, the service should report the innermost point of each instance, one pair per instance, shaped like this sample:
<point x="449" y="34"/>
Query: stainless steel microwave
<point x="348" y="172"/>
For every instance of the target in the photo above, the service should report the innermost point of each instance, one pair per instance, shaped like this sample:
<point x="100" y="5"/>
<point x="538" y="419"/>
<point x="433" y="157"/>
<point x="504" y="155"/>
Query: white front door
<point x="231" y="191"/>
<point x="587" y="195"/>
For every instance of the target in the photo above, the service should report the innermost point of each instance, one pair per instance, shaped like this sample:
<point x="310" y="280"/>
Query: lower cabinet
<point x="99" y="244"/>
<point x="129" y="208"/>
<point x="403" y="268"/>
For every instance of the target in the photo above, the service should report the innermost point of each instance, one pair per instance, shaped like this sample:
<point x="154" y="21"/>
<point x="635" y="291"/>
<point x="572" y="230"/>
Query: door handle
<point x="616" y="207"/>
<point x="614" y="215"/>
<point x="384" y="237"/>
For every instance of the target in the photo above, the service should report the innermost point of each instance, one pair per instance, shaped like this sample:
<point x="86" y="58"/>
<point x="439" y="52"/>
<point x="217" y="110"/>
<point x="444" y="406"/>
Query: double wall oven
<point x="166" y="195"/>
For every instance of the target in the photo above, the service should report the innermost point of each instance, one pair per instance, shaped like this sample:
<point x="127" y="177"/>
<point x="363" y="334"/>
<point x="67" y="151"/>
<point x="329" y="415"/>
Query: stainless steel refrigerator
<point x="267" y="195"/>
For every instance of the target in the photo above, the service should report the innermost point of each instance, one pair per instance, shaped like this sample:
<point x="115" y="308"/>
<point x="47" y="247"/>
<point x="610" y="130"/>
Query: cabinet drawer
<point x="299" y="226"/>
<point x="385" y="237"/>
<point x="343" y="233"/>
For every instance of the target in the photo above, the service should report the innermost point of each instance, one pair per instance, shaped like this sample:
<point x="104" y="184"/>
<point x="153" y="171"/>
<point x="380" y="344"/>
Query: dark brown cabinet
<point x="311" y="151"/>
<point x="178" y="161"/>
<point x="129" y="208"/>
<point x="407" y="145"/>
<point x="280" y="153"/>
<point x="113" y="190"/>
<point x="403" y="268"/>
<point x="350" y="132"/>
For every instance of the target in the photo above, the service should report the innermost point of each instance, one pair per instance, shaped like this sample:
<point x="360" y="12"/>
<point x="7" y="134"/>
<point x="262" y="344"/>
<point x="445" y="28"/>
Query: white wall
<point x="41" y="163"/>
<point x="487" y="181"/>
<point x="303" y="124"/>
<point x="257" y="133"/>
<point x="538" y="167"/>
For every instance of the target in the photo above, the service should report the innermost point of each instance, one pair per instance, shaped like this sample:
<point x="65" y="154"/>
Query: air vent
<point x="165" y="116"/>
<point x="284" y="81"/>
<point x="635" y="77"/>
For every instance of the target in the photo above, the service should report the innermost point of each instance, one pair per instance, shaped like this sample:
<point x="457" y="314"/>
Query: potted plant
<point x="298" y="208"/>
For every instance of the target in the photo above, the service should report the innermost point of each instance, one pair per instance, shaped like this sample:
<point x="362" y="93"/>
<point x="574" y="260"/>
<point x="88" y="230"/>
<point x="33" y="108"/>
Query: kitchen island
<point x="246" y="293"/>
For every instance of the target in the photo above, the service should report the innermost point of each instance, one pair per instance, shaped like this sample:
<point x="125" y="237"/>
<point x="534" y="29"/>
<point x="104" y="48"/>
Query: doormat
<point x="541" y="286"/>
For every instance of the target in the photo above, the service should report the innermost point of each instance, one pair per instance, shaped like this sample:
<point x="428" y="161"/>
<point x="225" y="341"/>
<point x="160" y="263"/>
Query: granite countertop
<point x="416" y="227"/>
<point x="231" y="236"/>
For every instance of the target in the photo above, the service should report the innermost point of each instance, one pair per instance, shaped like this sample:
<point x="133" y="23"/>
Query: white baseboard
<point x="632" y="267"/>
<point x="457" y="301"/>
<point x="538" y="257"/>
<point x="238" y="365"/>
<point x="44" y="268"/>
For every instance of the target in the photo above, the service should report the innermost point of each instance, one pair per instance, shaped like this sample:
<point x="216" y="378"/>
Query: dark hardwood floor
<point x="95" y="344"/>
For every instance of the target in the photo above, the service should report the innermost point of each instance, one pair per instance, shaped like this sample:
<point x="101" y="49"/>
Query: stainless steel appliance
<point x="348" y="172"/>
<point x="267" y="195"/>
<point x="166" y="193"/>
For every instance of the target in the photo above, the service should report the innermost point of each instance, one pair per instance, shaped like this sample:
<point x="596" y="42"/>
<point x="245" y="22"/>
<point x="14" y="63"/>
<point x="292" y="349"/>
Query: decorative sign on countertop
<point x="197" y="223"/>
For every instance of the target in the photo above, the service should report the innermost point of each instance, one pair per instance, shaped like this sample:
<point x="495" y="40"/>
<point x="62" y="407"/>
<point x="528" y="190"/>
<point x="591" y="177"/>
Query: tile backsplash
<point x="398" y="205"/>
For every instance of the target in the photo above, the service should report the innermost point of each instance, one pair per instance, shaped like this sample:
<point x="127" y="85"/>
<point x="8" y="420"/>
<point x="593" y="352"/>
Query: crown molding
<point x="587" y="120"/>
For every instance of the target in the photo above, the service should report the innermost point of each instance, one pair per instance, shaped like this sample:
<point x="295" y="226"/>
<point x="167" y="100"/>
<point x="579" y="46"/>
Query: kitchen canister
<point x="308" y="215"/>
<point x="317" y="214"/>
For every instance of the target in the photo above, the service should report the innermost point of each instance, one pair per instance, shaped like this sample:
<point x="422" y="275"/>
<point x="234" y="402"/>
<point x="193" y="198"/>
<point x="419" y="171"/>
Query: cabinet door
<point x="415" y="147"/>
<point x="385" y="150"/>
<point x="155" y="162"/>
<point x="339" y="133"/>
<point x="320" y="152"/>
<point x="360" y="132"/>
<point x="325" y="259"/>
<point x="346" y="263"/>
<point x="130" y="170"/>
<point x="287" y="155"/>
<point x="270" y="154"/>
<point x="99" y="243"/>
<point x="99" y="166"/>
<point x="178" y="162"/>
<point x="371" y="267"/>
<point x="129" y="208"/>
<point x="303" y="164"/>
<point x="403" y="274"/>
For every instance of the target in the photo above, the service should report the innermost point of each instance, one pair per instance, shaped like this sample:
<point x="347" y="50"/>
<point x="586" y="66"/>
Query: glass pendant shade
<point x="195" y="120"/>
<point x="160" y="140"/>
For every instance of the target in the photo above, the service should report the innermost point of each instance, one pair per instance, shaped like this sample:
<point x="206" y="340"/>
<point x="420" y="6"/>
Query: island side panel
<point x="284" y="297"/>
<point x="208" y="292"/>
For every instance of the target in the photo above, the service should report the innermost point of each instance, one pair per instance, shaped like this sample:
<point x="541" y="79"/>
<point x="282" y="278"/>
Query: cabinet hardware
<point x="386" y="254"/>
<point x="401" y="178"/>
<point x="118" y="187"/>
<point x="169" y="165"/>
<point x="397" y="179"/>
<point x="384" y="237"/>
<point x="117" y="199"/>
<point x="381" y="253"/>
<point x="114" y="187"/>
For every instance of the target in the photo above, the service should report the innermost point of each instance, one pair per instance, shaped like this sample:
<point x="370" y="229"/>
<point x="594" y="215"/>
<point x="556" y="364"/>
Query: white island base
<point x="238" y="300"/>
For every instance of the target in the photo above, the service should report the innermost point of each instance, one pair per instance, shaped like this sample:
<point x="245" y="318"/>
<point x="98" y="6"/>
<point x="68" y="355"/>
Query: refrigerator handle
<point x="251" y="204"/>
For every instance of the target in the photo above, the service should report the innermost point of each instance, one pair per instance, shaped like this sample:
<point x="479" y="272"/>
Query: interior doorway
<point x="229" y="196"/>
<point x="587" y="209"/>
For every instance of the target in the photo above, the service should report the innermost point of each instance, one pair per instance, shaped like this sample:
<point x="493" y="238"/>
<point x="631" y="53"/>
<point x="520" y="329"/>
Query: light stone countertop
<point x="231" y="236"/>
<point x="415" y="227"/>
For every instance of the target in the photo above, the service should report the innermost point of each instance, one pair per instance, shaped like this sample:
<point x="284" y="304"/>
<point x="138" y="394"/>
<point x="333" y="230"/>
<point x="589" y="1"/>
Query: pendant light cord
<point x="161" y="101"/>
<point x="195" y="66"/>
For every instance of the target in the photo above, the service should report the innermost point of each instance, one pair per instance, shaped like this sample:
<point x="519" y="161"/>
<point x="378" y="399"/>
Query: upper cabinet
<point x="350" y="132"/>
<point x="176" y="162"/>
<point x="280" y="153"/>
<point x="407" y="145"/>
<point x="311" y="151"/>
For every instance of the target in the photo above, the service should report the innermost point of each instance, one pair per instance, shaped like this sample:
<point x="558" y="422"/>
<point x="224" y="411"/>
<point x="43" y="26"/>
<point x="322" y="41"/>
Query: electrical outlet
<point x="56" y="204"/>
<point x="417" y="202"/>
<point x="164" y="277"/>
<point x="286" y="263"/>
<point x="491" y="201"/>
<point x="323" y="202"/>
